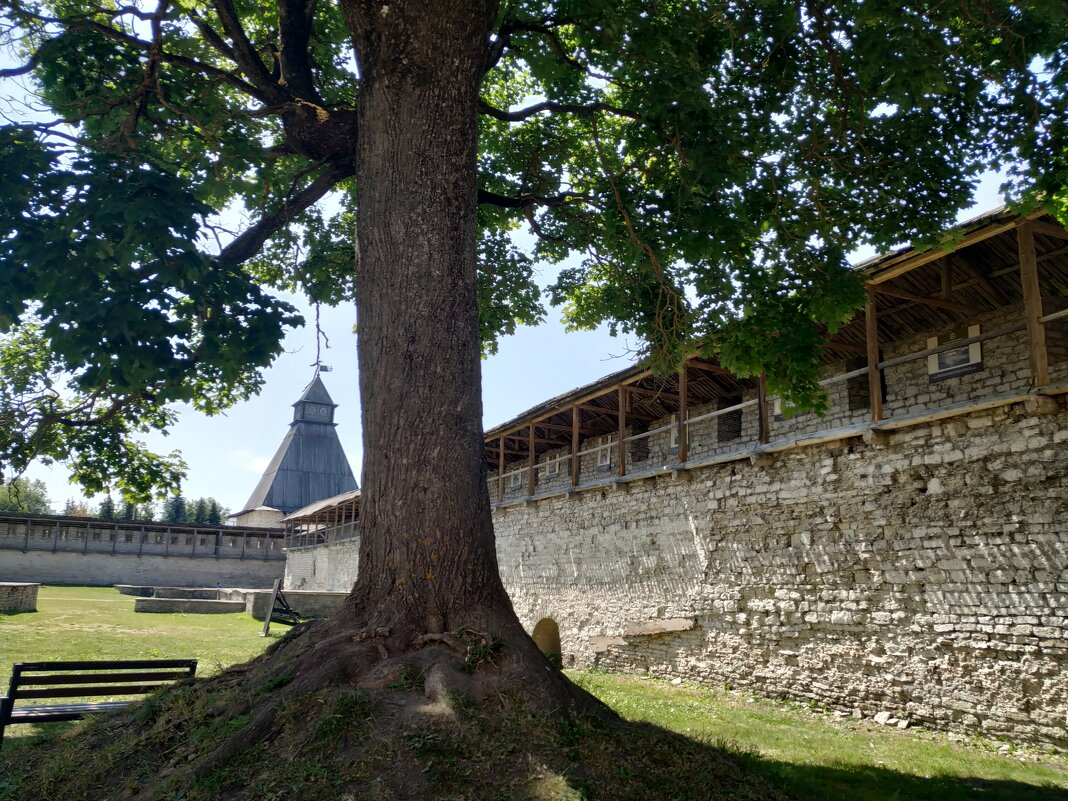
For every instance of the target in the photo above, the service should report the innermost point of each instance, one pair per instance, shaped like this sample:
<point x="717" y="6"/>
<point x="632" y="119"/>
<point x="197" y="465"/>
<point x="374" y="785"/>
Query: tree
<point x="711" y="163"/>
<point x="200" y="512"/>
<point x="215" y="513"/>
<point x="22" y="495"/>
<point x="176" y="510"/>
<point x="107" y="510"/>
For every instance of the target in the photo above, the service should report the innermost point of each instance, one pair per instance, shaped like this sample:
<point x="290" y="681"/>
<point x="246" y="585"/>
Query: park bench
<point x="58" y="680"/>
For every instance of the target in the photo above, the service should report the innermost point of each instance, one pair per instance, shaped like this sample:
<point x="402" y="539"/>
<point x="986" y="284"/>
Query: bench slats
<point x="110" y="664"/>
<point x="79" y="692"/>
<point x="58" y="712"/>
<point x="96" y="678"/>
<point x="89" y="678"/>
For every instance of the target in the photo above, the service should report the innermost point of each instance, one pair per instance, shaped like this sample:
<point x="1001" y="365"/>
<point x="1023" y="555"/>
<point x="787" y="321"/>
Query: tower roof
<point x="316" y="392"/>
<point x="310" y="464"/>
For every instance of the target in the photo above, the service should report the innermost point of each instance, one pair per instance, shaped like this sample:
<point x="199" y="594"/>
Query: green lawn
<point x="814" y="757"/>
<point x="809" y="754"/>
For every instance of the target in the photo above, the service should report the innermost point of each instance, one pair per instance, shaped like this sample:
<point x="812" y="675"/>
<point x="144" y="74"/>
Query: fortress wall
<point x="105" y="569"/>
<point x="925" y="574"/>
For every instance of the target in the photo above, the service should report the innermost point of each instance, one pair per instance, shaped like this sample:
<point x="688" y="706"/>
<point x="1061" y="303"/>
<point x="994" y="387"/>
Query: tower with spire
<point x="308" y="466"/>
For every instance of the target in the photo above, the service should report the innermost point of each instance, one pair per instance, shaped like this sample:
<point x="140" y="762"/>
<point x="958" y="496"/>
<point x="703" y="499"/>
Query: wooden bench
<point x="53" y="680"/>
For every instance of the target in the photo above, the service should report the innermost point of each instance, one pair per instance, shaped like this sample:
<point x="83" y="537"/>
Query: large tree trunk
<point x="427" y="555"/>
<point x="428" y="566"/>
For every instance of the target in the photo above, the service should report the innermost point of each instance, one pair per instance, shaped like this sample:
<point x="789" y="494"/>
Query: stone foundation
<point x="18" y="597"/>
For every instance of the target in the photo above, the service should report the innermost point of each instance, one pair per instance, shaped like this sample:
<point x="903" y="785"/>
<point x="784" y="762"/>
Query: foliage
<point x="708" y="165"/>
<point x="23" y="495"/>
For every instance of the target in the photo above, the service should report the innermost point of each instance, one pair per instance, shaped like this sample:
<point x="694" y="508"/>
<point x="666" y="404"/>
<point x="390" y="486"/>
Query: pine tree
<point x="176" y="510"/>
<point x="107" y="509"/>
<point x="200" y="512"/>
<point x="215" y="515"/>
<point x="129" y="511"/>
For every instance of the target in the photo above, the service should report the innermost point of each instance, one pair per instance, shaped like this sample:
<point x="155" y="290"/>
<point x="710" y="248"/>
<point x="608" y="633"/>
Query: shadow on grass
<point x="345" y="743"/>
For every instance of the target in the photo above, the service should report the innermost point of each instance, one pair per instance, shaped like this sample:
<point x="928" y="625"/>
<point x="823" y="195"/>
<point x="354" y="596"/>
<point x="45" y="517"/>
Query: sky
<point x="228" y="453"/>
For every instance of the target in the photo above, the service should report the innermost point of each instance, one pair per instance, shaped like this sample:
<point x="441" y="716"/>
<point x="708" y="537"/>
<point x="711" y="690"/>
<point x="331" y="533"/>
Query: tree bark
<point x="427" y="555"/>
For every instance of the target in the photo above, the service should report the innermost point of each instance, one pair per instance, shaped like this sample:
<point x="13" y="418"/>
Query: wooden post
<point x="195" y="531"/>
<point x="684" y="434"/>
<point x="244" y="539"/>
<point x="167" y="542"/>
<point x="622" y="417"/>
<point x="115" y="538"/>
<point x="763" y="429"/>
<point x="532" y="460"/>
<point x="875" y="379"/>
<point x="141" y="542"/>
<point x="26" y="537"/>
<point x="85" y="545"/>
<point x="576" y="460"/>
<point x="1032" y="294"/>
<point x="55" y="538"/>
<point x="500" y="470"/>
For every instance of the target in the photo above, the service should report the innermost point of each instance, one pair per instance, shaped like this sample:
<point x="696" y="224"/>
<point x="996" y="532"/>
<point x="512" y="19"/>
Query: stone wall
<point x="98" y="569"/>
<point x="17" y="597"/>
<point x="324" y="568"/>
<point x="924" y="574"/>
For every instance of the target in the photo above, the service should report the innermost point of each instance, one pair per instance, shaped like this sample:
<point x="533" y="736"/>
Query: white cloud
<point x="249" y="461"/>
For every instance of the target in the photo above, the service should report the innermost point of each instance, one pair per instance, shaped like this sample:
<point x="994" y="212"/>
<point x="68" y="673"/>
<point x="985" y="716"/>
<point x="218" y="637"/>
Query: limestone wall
<point x="17" y="597"/>
<point x="324" y="568"/>
<point x="923" y="573"/>
<point x="105" y="569"/>
<point x="926" y="575"/>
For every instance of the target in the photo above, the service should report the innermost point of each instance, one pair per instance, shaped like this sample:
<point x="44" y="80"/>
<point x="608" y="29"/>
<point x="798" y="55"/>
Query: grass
<point x="804" y="752"/>
<point x="81" y="623"/>
<point x="813" y="756"/>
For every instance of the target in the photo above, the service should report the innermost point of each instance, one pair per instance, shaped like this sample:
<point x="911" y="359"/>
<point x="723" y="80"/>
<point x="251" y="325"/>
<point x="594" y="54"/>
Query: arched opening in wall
<point x="546" y="636"/>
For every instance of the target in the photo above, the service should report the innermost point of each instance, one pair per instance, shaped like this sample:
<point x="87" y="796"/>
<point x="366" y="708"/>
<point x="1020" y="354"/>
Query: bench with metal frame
<point x="56" y="680"/>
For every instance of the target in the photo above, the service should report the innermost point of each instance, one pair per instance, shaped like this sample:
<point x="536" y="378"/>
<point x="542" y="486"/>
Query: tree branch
<point x="245" y="53"/>
<point x="557" y="108"/>
<point x="294" y="31"/>
<point x="528" y="201"/>
<point x="249" y="243"/>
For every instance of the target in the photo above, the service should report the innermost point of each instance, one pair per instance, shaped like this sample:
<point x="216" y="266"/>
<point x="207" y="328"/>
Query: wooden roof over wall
<point x="915" y="291"/>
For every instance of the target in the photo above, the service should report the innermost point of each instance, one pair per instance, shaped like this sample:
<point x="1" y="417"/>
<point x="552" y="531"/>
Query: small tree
<point x="215" y="513"/>
<point x="200" y="512"/>
<point x="107" y="510"/>
<point x="175" y="510"/>
<point x="25" y="495"/>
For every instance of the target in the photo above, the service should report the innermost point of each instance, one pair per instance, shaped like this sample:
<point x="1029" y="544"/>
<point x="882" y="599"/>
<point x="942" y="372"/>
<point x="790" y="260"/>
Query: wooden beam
<point x="684" y="433"/>
<point x="947" y="278"/>
<point x="875" y="380"/>
<point x="763" y="427"/>
<point x="978" y="277"/>
<point x="622" y="430"/>
<point x="845" y="347"/>
<point x="558" y="427"/>
<point x="576" y="429"/>
<point x="532" y="457"/>
<point x="1036" y="331"/>
<point x="669" y="397"/>
<point x="938" y="303"/>
<point x="908" y="262"/>
<point x="500" y="471"/>
<point x="710" y="368"/>
<point x="1048" y="229"/>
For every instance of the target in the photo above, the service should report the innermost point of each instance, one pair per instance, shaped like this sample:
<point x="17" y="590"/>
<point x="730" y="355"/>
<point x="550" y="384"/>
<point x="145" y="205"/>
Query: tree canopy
<point x="22" y="495"/>
<point x="700" y="168"/>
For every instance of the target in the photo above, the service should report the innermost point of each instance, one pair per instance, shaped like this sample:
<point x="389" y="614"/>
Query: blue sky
<point x="227" y="454"/>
